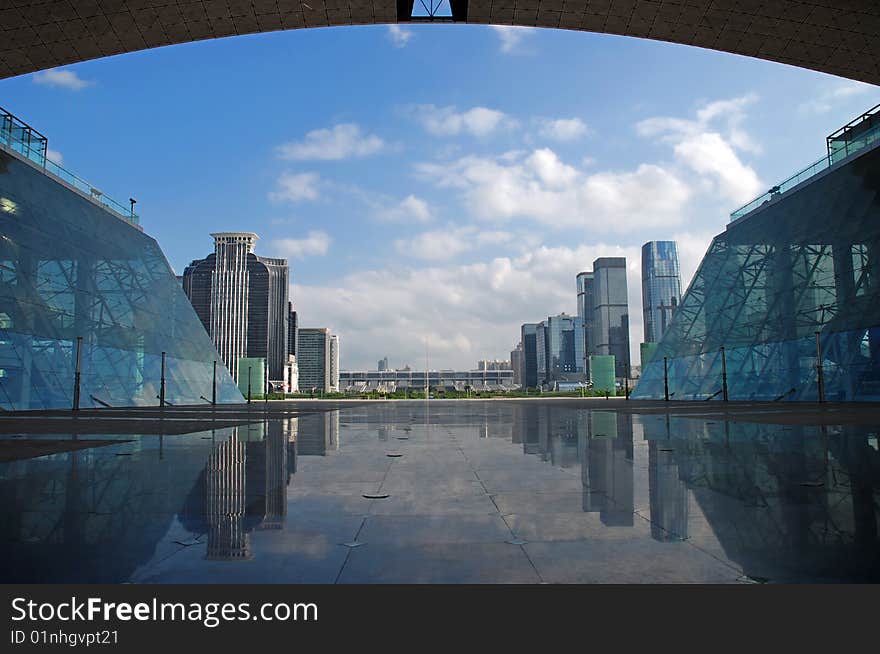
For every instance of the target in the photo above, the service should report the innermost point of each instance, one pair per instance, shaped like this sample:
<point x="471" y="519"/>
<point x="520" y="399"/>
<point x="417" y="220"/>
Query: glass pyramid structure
<point x="793" y="281"/>
<point x="72" y="267"/>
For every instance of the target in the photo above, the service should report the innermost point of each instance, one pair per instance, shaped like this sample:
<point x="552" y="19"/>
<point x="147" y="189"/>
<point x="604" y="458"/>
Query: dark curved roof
<point x="841" y="37"/>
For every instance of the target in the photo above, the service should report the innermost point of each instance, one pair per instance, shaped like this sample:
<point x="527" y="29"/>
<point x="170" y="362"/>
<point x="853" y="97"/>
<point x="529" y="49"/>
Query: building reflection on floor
<point x="783" y="502"/>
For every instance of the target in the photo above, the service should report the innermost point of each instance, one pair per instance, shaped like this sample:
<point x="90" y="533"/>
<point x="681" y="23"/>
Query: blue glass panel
<point x="70" y="268"/>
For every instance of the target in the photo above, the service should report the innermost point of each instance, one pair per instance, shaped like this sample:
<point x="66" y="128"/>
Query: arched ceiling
<point x="841" y="37"/>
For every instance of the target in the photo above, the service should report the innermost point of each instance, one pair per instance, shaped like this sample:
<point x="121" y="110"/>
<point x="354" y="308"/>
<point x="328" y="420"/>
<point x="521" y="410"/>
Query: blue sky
<point x="438" y="181"/>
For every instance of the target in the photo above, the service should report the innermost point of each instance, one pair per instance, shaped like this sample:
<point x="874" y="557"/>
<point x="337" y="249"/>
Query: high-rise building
<point x="530" y="355"/>
<point x="314" y="359"/>
<point x="291" y="329"/>
<point x="74" y="264"/>
<point x="242" y="300"/>
<point x="786" y="300"/>
<point x="516" y="364"/>
<point x="383" y="364"/>
<point x="334" y="362"/>
<point x="585" y="285"/>
<point x="610" y="329"/>
<point x="559" y="349"/>
<point x="492" y="364"/>
<point x="661" y="287"/>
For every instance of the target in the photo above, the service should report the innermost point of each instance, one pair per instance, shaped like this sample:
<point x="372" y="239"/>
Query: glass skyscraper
<point x="74" y="264"/>
<point x="529" y="336"/>
<point x="610" y="328"/>
<point x="559" y="349"/>
<point x="791" y="287"/>
<point x="661" y="287"/>
<point x="585" y="292"/>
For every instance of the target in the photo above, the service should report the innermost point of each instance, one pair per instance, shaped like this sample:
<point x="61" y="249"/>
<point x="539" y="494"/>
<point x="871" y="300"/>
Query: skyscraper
<point x="242" y="300"/>
<point x="334" y="362"/>
<point x="610" y="329"/>
<point x="585" y="286"/>
<point x="383" y="364"/>
<point x="314" y="359"/>
<point x="559" y="349"/>
<point x="291" y="329"/>
<point x="530" y="355"/>
<point x="516" y="364"/>
<point x="661" y="287"/>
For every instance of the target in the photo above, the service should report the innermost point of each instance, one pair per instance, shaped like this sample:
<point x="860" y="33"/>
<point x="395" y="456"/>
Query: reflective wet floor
<point x="450" y="492"/>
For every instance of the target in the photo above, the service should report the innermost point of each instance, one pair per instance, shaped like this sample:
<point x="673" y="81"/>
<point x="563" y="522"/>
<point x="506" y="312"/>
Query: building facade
<point x="75" y="265"/>
<point x="791" y="287"/>
<point x="242" y="300"/>
<point x="516" y="364"/>
<point x="585" y="293"/>
<point x="361" y="381"/>
<point x="314" y="359"/>
<point x="529" y="336"/>
<point x="334" y="363"/>
<point x="610" y="328"/>
<point x="559" y="349"/>
<point x="661" y="287"/>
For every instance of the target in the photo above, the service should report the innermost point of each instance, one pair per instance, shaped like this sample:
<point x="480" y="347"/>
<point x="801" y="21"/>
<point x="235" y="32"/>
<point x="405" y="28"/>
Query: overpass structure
<point x="840" y="37"/>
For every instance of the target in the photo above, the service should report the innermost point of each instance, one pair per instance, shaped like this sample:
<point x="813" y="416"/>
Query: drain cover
<point x="394" y="455"/>
<point x="375" y="496"/>
<point x="516" y="541"/>
<point x="812" y="484"/>
<point x="352" y="544"/>
<point x="403" y="438"/>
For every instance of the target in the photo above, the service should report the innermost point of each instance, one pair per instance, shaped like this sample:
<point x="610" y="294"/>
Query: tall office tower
<point x="334" y="362"/>
<point x="610" y="330"/>
<point x="528" y="334"/>
<point x="313" y="359"/>
<point x="291" y="329"/>
<point x="516" y="363"/>
<point x="661" y="287"/>
<point x="559" y="349"/>
<point x="75" y="264"/>
<point x="585" y="286"/>
<point x="383" y="364"/>
<point x="242" y="300"/>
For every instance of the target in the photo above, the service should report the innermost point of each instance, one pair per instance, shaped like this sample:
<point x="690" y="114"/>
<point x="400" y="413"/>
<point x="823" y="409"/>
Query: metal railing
<point x="862" y="141"/>
<point x="35" y="150"/>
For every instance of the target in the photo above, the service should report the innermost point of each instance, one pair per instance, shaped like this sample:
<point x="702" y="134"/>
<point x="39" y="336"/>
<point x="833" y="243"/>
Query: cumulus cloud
<point x="398" y="36"/>
<point x="296" y="187"/>
<point x="315" y="243"/>
<point x="511" y="36"/>
<point x="830" y="96"/>
<point x="54" y="155"/>
<point x="448" y="243"/>
<point x="540" y="187"/>
<point x="710" y="144"/>
<point x="564" y="129"/>
<point x="448" y="121"/>
<point x="341" y="141"/>
<point x="410" y="209"/>
<point x="61" y="78"/>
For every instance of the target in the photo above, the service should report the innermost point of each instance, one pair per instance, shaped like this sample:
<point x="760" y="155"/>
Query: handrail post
<point x="214" y="386"/>
<point x="77" y="373"/>
<point x="665" y="380"/>
<point x="819" y="372"/>
<point x="723" y="375"/>
<point x="162" y="384"/>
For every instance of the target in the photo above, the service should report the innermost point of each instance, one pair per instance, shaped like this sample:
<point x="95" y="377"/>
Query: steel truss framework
<point x="808" y="263"/>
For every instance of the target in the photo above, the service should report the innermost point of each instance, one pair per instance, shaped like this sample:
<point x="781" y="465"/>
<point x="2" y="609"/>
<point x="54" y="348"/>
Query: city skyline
<point x="443" y="201"/>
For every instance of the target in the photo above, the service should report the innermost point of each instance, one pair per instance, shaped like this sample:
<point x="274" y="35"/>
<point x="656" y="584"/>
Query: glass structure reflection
<point x="661" y="287"/>
<point x="790" y="285"/>
<point x="71" y="268"/>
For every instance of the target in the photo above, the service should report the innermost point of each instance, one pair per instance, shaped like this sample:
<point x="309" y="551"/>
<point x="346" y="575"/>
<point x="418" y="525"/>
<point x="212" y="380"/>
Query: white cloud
<point x="511" y="36"/>
<point x="296" y="187"/>
<point x="540" y="187"/>
<point x="399" y="36"/>
<point x="339" y="142"/>
<point x="410" y="209"/>
<point x="61" y="78"/>
<point x="708" y="145"/>
<point x="564" y="129"/>
<point x="832" y="95"/>
<point x="448" y="243"/>
<point x="54" y="155"/>
<point x="316" y="242"/>
<point x="447" y="121"/>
